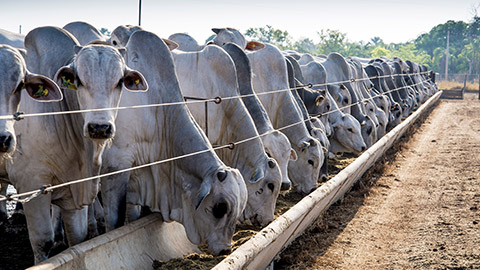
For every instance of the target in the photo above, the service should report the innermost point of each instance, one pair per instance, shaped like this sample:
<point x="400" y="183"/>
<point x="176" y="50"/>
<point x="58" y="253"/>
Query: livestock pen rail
<point x="27" y="196"/>
<point x="138" y="243"/>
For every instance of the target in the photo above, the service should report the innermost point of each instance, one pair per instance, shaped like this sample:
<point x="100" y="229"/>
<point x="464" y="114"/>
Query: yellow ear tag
<point x="253" y="45"/>
<point x="41" y="92"/>
<point x="68" y="83"/>
<point x="317" y="103"/>
<point x="137" y="82"/>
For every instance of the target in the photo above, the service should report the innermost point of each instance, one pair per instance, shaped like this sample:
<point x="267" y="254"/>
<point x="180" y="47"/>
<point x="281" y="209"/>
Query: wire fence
<point x="27" y="196"/>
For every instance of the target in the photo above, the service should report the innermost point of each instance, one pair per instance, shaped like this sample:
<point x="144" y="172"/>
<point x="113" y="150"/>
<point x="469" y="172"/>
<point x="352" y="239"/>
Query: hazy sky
<point x="392" y="20"/>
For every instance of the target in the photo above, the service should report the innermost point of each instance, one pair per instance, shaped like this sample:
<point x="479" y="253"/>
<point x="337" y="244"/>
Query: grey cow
<point x="67" y="147"/>
<point x="199" y="191"/>
<point x="14" y="77"/>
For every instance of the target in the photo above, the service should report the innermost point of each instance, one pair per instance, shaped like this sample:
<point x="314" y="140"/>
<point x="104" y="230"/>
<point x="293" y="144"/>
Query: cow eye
<point x="268" y="154"/>
<point x="271" y="186"/>
<point x="351" y="130"/>
<point x="219" y="210"/>
<point x="311" y="162"/>
<point x="115" y="43"/>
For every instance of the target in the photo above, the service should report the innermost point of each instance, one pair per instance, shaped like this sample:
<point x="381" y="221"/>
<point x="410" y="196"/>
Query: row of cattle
<point x="279" y="131"/>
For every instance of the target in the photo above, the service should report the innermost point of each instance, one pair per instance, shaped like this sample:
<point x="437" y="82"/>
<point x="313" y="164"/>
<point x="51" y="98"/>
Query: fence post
<point x="479" y="86"/>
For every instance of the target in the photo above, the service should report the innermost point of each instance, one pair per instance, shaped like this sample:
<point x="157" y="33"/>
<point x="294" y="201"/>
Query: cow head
<point x="263" y="188"/>
<point x="347" y="132"/>
<point x="14" y="77"/>
<point x="231" y="35"/>
<point x="97" y="75"/>
<point x="279" y="148"/>
<point x="214" y="209"/>
<point x="305" y="171"/>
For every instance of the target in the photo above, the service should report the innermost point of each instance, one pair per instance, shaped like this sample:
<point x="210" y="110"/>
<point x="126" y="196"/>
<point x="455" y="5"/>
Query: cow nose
<point x="100" y="131"/>
<point x="312" y="190"/>
<point x="285" y="186"/>
<point x="323" y="178"/>
<point x="363" y="148"/>
<point x="5" y="143"/>
<point x="225" y="251"/>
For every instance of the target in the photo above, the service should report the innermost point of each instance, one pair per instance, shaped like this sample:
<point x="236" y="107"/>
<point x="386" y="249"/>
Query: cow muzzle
<point x="100" y="131"/>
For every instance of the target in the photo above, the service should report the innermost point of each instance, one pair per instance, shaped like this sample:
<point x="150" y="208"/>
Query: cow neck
<point x="245" y="87"/>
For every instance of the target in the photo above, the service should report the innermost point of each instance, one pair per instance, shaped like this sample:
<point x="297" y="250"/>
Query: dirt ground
<point x="418" y="211"/>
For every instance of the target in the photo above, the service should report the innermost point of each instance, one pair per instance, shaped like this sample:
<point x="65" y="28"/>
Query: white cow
<point x="12" y="39"/>
<point x="276" y="143"/>
<point x="270" y="73"/>
<point x="84" y="32"/>
<point x="211" y="73"/>
<point x="14" y="77"/>
<point x="67" y="147"/>
<point x="198" y="191"/>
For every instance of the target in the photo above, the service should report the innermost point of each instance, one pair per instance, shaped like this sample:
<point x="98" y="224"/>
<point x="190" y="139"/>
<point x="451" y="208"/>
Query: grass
<point x="450" y="85"/>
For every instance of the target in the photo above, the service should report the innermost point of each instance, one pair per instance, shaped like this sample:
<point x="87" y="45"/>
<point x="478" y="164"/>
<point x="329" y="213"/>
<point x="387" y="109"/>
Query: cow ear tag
<point x="41" y="92"/>
<point x="68" y="83"/>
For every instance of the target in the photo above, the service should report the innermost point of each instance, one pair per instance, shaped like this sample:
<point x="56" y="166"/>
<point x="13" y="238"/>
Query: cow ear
<point x="257" y="175"/>
<point x="217" y="30"/>
<point x="42" y="88"/>
<point x="293" y="155"/>
<point x="66" y="78"/>
<point x="172" y="45"/>
<point x="318" y="100"/>
<point x="204" y="190"/>
<point x="254" y="46"/>
<point x="134" y="81"/>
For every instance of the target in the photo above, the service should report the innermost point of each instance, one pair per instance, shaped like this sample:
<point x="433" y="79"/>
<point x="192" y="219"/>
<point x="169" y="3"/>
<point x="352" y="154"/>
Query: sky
<point x="392" y="20"/>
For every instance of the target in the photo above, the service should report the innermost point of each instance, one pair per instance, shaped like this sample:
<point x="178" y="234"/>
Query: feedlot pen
<point x="420" y="211"/>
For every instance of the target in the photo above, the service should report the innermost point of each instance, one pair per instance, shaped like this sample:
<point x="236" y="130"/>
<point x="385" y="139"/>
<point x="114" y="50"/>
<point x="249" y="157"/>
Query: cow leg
<point x="37" y="211"/>
<point x="98" y="214"/>
<point x="96" y="224"/>
<point x="57" y="225"/>
<point x="114" y="190"/>
<point x="76" y="225"/>
<point x="133" y="212"/>
<point x="3" y="204"/>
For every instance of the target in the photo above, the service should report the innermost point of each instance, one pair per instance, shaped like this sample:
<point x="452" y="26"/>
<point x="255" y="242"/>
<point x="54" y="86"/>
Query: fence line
<point x="35" y="193"/>
<point x="21" y="115"/>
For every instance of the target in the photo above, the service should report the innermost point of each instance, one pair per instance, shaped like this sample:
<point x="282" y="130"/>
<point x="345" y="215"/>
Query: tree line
<point x="427" y="49"/>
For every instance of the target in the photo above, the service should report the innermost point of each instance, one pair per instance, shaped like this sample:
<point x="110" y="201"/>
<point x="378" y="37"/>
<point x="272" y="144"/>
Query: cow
<point x="15" y="77"/>
<point x="211" y="73"/>
<point x="303" y="98"/>
<point x="69" y="146"/>
<point x="84" y="32"/>
<point x="186" y="42"/>
<point x="13" y="39"/>
<point x="275" y="142"/>
<point x="270" y="73"/>
<point x="199" y="191"/>
<point x="345" y="129"/>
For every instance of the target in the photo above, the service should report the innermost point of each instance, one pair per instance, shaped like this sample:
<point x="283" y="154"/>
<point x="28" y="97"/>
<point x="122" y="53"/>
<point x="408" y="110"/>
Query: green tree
<point x="105" y="32"/>
<point x="331" y="41"/>
<point x="271" y="35"/>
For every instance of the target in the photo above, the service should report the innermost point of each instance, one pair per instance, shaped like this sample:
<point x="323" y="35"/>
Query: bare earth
<point x="422" y="211"/>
